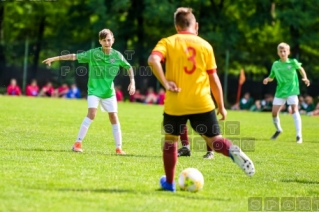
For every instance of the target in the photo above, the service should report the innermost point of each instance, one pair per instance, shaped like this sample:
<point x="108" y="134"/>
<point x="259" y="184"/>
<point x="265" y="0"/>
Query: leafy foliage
<point x="250" y="30"/>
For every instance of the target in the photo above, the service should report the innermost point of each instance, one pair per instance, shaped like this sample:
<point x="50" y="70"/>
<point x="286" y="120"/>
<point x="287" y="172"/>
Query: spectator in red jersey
<point x="161" y="96"/>
<point x="151" y="96"/>
<point x="13" y="89"/>
<point x="47" y="90"/>
<point x="32" y="89"/>
<point x="119" y="93"/>
<point x="61" y="91"/>
<point x="137" y="96"/>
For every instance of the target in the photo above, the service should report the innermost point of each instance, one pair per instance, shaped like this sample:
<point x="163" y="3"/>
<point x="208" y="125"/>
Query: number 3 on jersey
<point x="192" y="52"/>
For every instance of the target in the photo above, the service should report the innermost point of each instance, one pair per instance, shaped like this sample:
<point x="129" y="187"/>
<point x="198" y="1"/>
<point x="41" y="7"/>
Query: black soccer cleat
<point x="184" y="151"/>
<point x="277" y="133"/>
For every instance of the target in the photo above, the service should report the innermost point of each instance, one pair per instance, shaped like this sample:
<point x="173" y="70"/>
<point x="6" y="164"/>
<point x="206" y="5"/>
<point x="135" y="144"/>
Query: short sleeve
<point x="83" y="57"/>
<point x="210" y="60"/>
<point x="161" y="49"/>
<point x="296" y="64"/>
<point x="123" y="62"/>
<point x="272" y="71"/>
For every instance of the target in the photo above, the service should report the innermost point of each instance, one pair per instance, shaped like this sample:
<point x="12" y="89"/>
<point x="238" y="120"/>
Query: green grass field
<point x="40" y="173"/>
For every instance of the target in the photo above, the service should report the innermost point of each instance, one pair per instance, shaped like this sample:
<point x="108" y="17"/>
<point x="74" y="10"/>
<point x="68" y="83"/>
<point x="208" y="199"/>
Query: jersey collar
<point x="186" y="32"/>
<point x="104" y="53"/>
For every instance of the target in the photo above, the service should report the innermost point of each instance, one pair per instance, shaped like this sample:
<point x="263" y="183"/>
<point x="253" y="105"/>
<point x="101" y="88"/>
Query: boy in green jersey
<point x="104" y="63"/>
<point x="284" y="70"/>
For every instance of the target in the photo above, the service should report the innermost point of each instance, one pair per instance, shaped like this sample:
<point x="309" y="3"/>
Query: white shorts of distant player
<point x="291" y="100"/>
<point x="109" y="104"/>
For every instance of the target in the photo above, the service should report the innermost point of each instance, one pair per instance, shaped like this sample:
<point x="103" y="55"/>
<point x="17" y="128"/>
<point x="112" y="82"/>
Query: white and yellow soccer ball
<point x="191" y="179"/>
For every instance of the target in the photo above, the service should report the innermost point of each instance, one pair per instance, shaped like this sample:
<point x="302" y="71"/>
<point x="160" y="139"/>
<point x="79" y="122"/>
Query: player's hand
<point x="265" y="81"/>
<point x="131" y="88"/>
<point x="222" y="112"/>
<point x="48" y="61"/>
<point x="171" y="86"/>
<point x="307" y="82"/>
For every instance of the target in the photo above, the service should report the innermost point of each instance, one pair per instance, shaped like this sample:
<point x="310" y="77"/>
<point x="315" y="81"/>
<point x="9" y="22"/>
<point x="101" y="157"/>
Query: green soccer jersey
<point x="286" y="76"/>
<point x="103" y="68"/>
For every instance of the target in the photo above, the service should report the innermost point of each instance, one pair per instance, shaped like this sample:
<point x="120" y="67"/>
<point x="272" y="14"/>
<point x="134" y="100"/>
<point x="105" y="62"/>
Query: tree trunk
<point x="295" y="45"/>
<point x="2" y="47"/>
<point x="135" y="14"/>
<point x="37" y="47"/>
<point x="140" y="31"/>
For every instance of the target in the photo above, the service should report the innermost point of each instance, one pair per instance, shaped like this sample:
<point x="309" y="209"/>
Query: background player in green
<point x="284" y="70"/>
<point x="104" y="63"/>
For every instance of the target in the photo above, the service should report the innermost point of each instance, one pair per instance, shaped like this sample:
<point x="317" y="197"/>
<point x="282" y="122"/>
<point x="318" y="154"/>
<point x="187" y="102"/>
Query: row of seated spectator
<point x="248" y="103"/>
<point x="306" y="104"/>
<point x="150" y="97"/>
<point x="46" y="91"/>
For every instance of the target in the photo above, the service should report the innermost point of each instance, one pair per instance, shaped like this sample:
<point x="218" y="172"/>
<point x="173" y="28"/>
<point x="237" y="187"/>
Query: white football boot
<point x="242" y="160"/>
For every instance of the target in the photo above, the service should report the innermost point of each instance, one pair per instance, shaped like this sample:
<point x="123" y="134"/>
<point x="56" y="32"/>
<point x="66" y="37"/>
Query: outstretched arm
<point x="304" y="76"/>
<point x="48" y="61"/>
<point x="218" y="94"/>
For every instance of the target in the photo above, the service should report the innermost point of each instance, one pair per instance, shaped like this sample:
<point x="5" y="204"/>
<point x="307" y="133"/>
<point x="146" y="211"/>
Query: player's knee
<point x="294" y="109"/>
<point x="275" y="113"/>
<point x="113" y="117"/>
<point x="91" y="115"/>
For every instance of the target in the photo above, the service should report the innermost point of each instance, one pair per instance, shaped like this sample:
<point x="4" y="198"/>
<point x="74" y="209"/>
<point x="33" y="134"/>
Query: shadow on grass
<point x="316" y="142"/>
<point x="182" y="194"/>
<point x="139" y="156"/>
<point x="37" y="150"/>
<point x="86" y="152"/>
<point x="191" y="195"/>
<point x="300" y="181"/>
<point x="100" y="190"/>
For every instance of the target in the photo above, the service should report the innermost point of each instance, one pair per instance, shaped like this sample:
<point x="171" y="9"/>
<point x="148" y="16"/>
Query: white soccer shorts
<point x="291" y="100"/>
<point x="108" y="104"/>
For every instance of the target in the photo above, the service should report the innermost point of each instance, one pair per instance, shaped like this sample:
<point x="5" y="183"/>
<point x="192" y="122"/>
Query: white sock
<point x="188" y="146"/>
<point x="297" y="121"/>
<point x="116" y="129"/>
<point x="83" y="129"/>
<point x="276" y="122"/>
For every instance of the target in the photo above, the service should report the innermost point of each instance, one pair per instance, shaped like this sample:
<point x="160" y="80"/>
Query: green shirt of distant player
<point x="286" y="76"/>
<point x="103" y="68"/>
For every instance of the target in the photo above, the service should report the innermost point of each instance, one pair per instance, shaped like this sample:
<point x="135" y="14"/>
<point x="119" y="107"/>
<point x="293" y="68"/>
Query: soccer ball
<point x="191" y="179"/>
